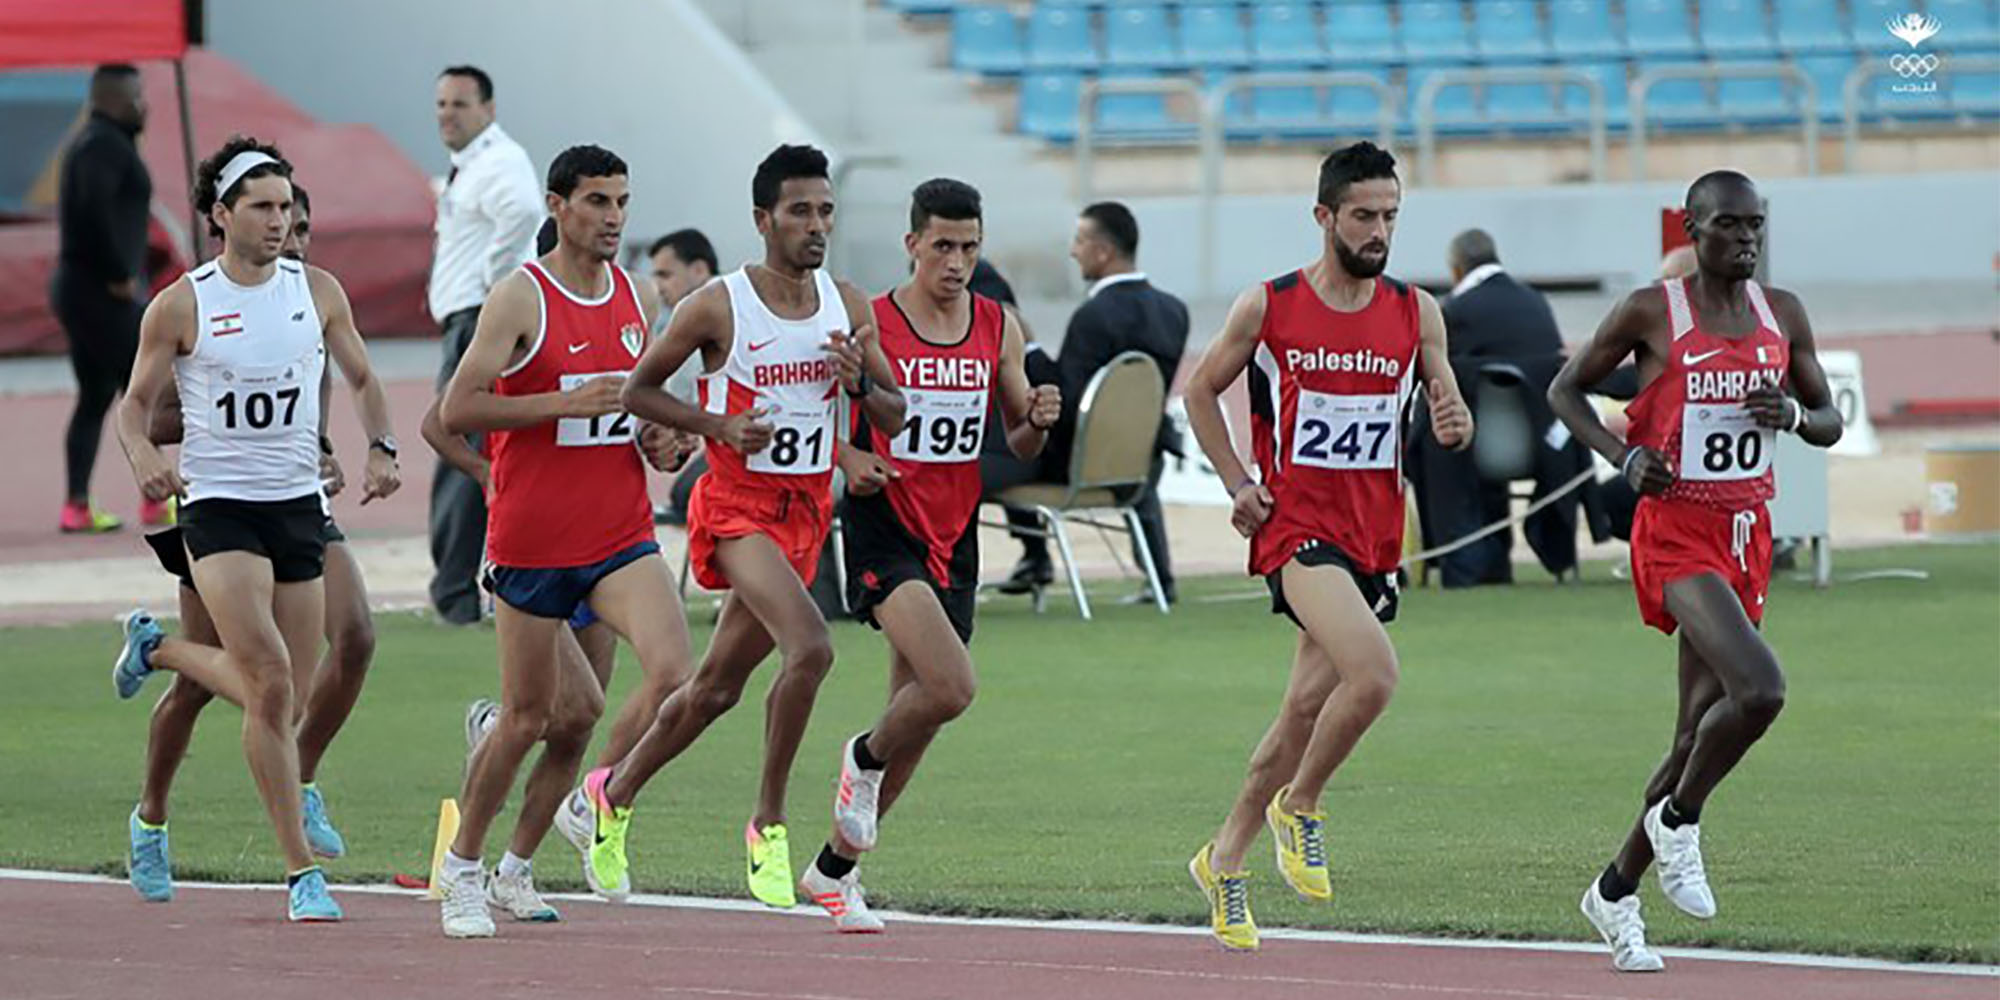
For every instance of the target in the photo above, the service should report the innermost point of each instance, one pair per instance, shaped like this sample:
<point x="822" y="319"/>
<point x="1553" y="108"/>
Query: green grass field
<point x="1099" y="756"/>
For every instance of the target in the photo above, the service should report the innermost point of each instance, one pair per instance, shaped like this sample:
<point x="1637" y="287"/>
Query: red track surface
<point x="98" y="941"/>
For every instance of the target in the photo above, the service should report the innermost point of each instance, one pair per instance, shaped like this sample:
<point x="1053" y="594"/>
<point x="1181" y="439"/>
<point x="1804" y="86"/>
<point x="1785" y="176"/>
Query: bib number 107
<point x="256" y="411"/>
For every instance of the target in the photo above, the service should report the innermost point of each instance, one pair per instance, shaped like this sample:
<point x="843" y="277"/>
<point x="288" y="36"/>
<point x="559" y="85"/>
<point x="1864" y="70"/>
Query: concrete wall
<point x="652" y="80"/>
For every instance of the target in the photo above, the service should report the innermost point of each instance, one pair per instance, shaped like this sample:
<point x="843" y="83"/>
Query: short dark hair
<point x="112" y="71"/>
<point x="1700" y="201"/>
<point x="785" y="163"/>
<point x="1362" y="161"/>
<point x="1473" y="248"/>
<point x="1117" y="225"/>
<point x="300" y="200"/>
<point x="476" y="75"/>
<point x="572" y="165"/>
<point x="690" y="246"/>
<point x="209" y="171"/>
<point x="943" y="198"/>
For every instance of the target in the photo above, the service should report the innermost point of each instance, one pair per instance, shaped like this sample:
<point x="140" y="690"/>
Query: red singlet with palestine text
<point x="573" y="491"/>
<point x="1328" y="391"/>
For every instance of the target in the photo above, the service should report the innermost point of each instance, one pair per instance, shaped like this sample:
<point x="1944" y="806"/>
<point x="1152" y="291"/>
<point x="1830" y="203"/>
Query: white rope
<point x="1502" y="524"/>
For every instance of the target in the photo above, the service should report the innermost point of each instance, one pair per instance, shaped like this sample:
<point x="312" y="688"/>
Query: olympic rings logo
<point x="1908" y="66"/>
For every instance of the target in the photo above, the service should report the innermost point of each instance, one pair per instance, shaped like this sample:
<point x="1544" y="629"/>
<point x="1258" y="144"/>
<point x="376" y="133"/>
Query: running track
<point x="83" y="937"/>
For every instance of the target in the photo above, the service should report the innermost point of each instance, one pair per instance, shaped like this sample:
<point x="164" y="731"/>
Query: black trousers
<point x="999" y="470"/>
<point x="103" y="333"/>
<point x="458" y="506"/>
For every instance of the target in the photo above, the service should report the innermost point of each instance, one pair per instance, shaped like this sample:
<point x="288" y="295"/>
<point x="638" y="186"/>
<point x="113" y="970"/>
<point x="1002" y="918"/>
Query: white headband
<point x="238" y="165"/>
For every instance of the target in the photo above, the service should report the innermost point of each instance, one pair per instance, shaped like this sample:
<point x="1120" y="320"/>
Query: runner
<point x="1337" y="348"/>
<point x="245" y="339"/>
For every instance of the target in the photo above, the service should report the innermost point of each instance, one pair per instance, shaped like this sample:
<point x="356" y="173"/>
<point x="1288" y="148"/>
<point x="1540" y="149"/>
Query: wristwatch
<point x="866" y="386"/>
<point x="325" y="445"/>
<point x="386" y="444"/>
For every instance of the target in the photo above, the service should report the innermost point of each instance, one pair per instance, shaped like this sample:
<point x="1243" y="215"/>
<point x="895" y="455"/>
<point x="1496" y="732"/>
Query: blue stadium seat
<point x="1659" y="28"/>
<point x="1048" y="105"/>
<point x="1583" y="29"/>
<point x="1359" y="32"/>
<point x="1287" y="110"/>
<point x="1138" y="37"/>
<point x="1871" y="22"/>
<point x="1678" y="103"/>
<point x="1455" y="110"/>
<point x="1508" y="30"/>
<point x="986" y="40"/>
<point x="1829" y="74"/>
<point x="1060" y="38"/>
<point x="1134" y="115"/>
<point x="1212" y="36"/>
<point x="1976" y="94"/>
<point x="1966" y="24"/>
<point x="1358" y="107"/>
<point x="1435" y="32"/>
<point x="923" y="6"/>
<point x="1812" y="26"/>
<point x="1286" y="35"/>
<point x="1736" y="27"/>
<point x="1617" y="93"/>
<point x="1518" y="103"/>
<point x="1762" y="100"/>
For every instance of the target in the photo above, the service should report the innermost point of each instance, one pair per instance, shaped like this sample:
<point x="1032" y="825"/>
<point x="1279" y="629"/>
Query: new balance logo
<point x="299" y="316"/>
<point x="1691" y="360"/>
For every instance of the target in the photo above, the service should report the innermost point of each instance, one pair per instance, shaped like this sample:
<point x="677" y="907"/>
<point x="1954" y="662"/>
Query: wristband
<point x="325" y="445"/>
<point x="1798" y="414"/>
<point x="1241" y="486"/>
<point x="1625" y="464"/>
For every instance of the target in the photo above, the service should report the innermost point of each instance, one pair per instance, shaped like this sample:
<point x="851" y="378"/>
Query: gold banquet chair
<point x="1112" y="454"/>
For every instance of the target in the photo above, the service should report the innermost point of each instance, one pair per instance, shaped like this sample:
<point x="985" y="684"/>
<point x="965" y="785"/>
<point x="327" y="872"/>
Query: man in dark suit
<point x="1489" y="317"/>
<point x="1124" y="312"/>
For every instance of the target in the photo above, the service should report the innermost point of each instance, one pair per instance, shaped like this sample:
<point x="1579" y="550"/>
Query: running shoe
<point x="597" y="831"/>
<point x="134" y="665"/>
<point x="854" y="801"/>
<point x="516" y="894"/>
<point x="770" y="864"/>
<point x="159" y="513"/>
<point x="1228" y="901"/>
<point x="84" y="519"/>
<point x="1677" y="854"/>
<point x="479" y="718"/>
<point x="310" y="902"/>
<point x="149" y="866"/>
<point x="843" y="899"/>
<point x="1301" y="841"/>
<point x="463" y="909"/>
<point x="1620" y="926"/>
<point x="324" y="840"/>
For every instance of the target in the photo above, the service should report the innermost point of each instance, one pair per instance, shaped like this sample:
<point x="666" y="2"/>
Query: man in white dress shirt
<point x="486" y="219"/>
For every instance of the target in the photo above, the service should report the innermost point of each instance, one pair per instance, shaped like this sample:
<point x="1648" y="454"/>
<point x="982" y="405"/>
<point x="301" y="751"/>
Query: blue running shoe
<point x="149" y="867"/>
<point x="142" y="633"/>
<point x="310" y="900"/>
<point x="320" y="835"/>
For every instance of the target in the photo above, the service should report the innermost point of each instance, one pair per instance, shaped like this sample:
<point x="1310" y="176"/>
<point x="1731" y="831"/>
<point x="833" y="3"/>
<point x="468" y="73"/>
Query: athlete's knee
<point x="811" y="656"/>
<point x="351" y="647"/>
<point x="573" y="723"/>
<point x="524" y="722"/>
<point x="952" y="696"/>
<point x="1761" y="702"/>
<point x="708" y="698"/>
<point x="1373" y="684"/>
<point x="268" y="695"/>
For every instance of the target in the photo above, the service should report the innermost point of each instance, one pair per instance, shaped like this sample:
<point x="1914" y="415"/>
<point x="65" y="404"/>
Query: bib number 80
<point x="1723" y="452"/>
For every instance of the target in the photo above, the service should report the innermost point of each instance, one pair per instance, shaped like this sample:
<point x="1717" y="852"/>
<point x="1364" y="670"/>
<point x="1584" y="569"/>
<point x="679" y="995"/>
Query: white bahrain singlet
<point x="250" y="388"/>
<point x="782" y="366"/>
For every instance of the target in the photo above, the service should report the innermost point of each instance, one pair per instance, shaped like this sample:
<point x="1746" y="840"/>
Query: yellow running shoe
<point x="1228" y="901"/>
<point x="1301" y="840"/>
<point x="770" y="864"/>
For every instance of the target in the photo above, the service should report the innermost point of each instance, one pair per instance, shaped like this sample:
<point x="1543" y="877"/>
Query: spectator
<point x="486" y="219"/>
<point x="1123" y="312"/>
<point x="682" y="261"/>
<point x="99" y="289"/>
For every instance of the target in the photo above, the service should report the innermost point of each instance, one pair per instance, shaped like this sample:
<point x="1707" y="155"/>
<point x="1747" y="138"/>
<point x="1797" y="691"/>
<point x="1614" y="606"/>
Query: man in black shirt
<point x="98" y="292"/>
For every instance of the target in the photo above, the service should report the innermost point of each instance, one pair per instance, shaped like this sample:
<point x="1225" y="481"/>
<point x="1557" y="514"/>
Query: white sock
<point x="511" y="866"/>
<point x="457" y="867"/>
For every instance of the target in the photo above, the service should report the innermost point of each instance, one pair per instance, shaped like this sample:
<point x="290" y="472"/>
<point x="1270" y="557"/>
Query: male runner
<point x="1336" y="348"/>
<point x="245" y="338"/>
<point x="912" y="550"/>
<point x="1716" y="354"/>
<point x="350" y="637"/>
<point x="568" y="520"/>
<point x="779" y="341"/>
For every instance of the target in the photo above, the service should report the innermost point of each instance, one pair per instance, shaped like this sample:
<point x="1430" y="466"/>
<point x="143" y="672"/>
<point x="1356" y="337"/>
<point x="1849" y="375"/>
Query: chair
<point x="1829" y="76"/>
<point x="1736" y="27"/>
<point x="1110" y="460"/>
<point x="1504" y="449"/>
<point x="1049" y="105"/>
<point x="1968" y="24"/>
<point x="1582" y="29"/>
<point x="1435" y="32"/>
<point x="1659" y="28"/>
<point x="1286" y="36"/>
<point x="1766" y="100"/>
<point x="986" y="40"/>
<point x="1812" y="26"/>
<point x="1508" y="30"/>
<point x="1060" y="38"/>
<point x="1617" y="93"/>
<point x="1360" y="33"/>
<point x="1138" y="38"/>
<point x="1213" y="37"/>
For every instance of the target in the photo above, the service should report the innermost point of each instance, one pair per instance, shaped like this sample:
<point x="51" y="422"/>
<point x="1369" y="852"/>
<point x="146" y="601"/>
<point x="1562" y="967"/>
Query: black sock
<point x="293" y="878"/>
<point x="862" y="758"/>
<point x="1613" y="886"/>
<point x="1675" y="815"/>
<point x="832" y="865"/>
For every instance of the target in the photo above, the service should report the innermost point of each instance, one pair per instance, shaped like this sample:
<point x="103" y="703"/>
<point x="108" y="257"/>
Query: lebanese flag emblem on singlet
<point x="224" y="324"/>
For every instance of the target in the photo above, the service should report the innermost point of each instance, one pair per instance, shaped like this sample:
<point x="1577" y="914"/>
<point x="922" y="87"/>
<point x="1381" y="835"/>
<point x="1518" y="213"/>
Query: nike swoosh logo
<point x="573" y="348"/>
<point x="759" y="347"/>
<point x="1691" y="360"/>
<point x="756" y="866"/>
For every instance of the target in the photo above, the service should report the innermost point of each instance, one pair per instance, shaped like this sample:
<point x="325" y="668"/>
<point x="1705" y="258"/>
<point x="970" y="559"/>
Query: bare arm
<point x="1451" y="420"/>
<point x="343" y="341"/>
<point x="1809" y="411"/>
<point x="165" y="332"/>
<point x="507" y="325"/>
<point x="1027" y="410"/>
<point x="1224" y="360"/>
<point x="883" y="405"/>
<point x="165" y="425"/>
<point x="700" y="322"/>
<point x="451" y="448"/>
<point x="1622" y="334"/>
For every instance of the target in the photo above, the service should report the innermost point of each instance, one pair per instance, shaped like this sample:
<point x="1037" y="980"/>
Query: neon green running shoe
<point x="770" y="864"/>
<point x="588" y="821"/>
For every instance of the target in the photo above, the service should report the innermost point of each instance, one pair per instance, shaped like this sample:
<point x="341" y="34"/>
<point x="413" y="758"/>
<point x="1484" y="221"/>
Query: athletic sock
<point x="455" y="866"/>
<point x="832" y="865"/>
<point x="1675" y="815"/>
<point x="1613" y="886"/>
<point x="293" y="878"/>
<point x="512" y="865"/>
<point x="143" y="825"/>
<point x="862" y="758"/>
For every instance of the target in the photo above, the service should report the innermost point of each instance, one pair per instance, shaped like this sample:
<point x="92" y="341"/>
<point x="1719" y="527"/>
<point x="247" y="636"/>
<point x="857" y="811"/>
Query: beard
<point x="1358" y="266"/>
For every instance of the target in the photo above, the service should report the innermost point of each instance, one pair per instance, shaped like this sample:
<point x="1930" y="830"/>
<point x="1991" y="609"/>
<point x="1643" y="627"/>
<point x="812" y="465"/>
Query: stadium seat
<point x="1136" y="115"/>
<point x="1762" y="100"/>
<point x="1871" y="22"/>
<point x="1617" y="94"/>
<point x="1286" y="36"/>
<point x="1583" y="29"/>
<point x="1966" y="24"/>
<point x="986" y="40"/>
<point x="1455" y="110"/>
<point x="1287" y="110"/>
<point x="1812" y="27"/>
<point x="1435" y="32"/>
<point x="1677" y="103"/>
<point x="1359" y="33"/>
<point x="1060" y="38"/>
<point x="1521" y="103"/>
<point x="1508" y="30"/>
<point x="1357" y="107"/>
<point x="1829" y="74"/>
<point x="921" y="7"/>
<point x="1736" y="27"/>
<point x="1048" y="105"/>
<point x="1976" y="93"/>
<point x="1138" y="37"/>
<point x="1658" y="28"/>
<point x="1213" y="37"/>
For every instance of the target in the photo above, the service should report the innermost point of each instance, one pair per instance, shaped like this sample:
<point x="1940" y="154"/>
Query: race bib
<point x="585" y="432"/>
<point x="941" y="425"/>
<point x="257" y="403"/>
<point x="1720" y="441"/>
<point x="1346" y="432"/>
<point x="801" y="438"/>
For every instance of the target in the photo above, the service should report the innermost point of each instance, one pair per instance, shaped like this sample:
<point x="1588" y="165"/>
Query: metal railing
<point x="1850" y="96"/>
<point x="1090" y="95"/>
<point x="1426" y="108"/>
<point x="1642" y="88"/>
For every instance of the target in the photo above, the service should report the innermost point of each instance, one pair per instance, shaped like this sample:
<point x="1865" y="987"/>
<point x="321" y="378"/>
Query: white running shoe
<point x="854" y="801"/>
<point x="464" y="905"/>
<point x="843" y="899"/>
<point x="1622" y="928"/>
<point x="516" y="894"/>
<point x="479" y="718"/>
<point x="1677" y="854"/>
